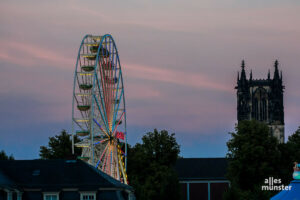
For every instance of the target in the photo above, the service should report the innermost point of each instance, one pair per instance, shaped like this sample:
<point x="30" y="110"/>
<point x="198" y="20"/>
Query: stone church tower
<point x="262" y="99"/>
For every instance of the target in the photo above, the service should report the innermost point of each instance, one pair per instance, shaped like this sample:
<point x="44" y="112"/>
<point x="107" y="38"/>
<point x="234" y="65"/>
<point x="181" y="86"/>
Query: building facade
<point x="58" y="180"/>
<point x="202" y="178"/>
<point x="262" y="100"/>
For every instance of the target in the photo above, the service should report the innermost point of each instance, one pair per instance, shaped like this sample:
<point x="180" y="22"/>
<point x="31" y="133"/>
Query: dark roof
<point x="201" y="168"/>
<point x="56" y="174"/>
<point x="6" y="181"/>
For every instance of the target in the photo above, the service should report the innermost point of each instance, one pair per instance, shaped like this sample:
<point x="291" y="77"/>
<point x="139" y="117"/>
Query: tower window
<point x="260" y="105"/>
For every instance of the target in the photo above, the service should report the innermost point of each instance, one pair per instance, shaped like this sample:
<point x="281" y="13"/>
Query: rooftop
<point x="201" y="168"/>
<point x="55" y="174"/>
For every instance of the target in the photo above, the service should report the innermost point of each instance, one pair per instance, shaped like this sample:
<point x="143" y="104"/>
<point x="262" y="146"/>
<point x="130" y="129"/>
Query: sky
<point x="179" y="60"/>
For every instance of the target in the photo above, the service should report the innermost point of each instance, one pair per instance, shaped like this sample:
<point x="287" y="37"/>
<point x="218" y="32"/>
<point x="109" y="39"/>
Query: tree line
<point x="254" y="154"/>
<point x="150" y="163"/>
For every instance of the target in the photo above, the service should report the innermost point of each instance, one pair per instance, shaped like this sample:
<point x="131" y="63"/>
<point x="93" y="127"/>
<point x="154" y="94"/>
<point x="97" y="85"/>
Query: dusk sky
<point x="179" y="61"/>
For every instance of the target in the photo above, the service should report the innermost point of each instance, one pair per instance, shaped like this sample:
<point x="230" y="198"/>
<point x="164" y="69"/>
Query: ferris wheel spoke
<point x="100" y="124"/>
<point x="99" y="132"/>
<point x="121" y="165"/>
<point x="107" y="164"/>
<point x="107" y="98"/>
<point x="117" y="162"/>
<point x="117" y="110"/>
<point x="97" y="164"/>
<point x="104" y="168"/>
<point x="111" y="163"/>
<point x="117" y="91"/>
<point x="119" y="121"/>
<point x="102" y="154"/>
<point x="113" y="64"/>
<point x="101" y="141"/>
<point x="108" y="82"/>
<point x="99" y="109"/>
<point x="116" y="88"/>
<point x="100" y="127"/>
<point x="101" y="97"/>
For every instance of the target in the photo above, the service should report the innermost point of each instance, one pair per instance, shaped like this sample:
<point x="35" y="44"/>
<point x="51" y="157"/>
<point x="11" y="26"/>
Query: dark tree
<point x="290" y="153"/>
<point x="150" y="166"/>
<point x="254" y="156"/>
<point x="293" y="144"/>
<point x="3" y="156"/>
<point x="60" y="147"/>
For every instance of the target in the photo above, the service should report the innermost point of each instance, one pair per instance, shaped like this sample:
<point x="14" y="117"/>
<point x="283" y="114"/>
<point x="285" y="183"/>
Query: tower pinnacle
<point x="243" y="74"/>
<point x="276" y="73"/>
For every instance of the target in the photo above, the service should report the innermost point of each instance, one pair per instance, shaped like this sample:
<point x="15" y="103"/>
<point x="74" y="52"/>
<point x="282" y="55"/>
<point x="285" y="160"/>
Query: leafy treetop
<point x="3" y="156"/>
<point x="60" y="147"/>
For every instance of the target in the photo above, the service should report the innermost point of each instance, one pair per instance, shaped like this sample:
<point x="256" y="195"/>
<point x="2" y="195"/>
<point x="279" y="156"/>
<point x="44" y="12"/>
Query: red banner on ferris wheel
<point x="120" y="135"/>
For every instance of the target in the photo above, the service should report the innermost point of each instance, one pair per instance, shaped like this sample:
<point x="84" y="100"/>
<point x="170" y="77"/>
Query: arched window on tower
<point x="255" y="109"/>
<point x="264" y="109"/>
<point x="260" y="105"/>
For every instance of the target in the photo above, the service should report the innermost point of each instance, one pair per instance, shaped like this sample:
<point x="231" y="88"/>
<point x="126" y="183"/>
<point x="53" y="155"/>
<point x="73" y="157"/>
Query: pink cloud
<point x="141" y="91"/>
<point x="183" y="118"/>
<point x="11" y="58"/>
<point x="32" y="55"/>
<point x="174" y="76"/>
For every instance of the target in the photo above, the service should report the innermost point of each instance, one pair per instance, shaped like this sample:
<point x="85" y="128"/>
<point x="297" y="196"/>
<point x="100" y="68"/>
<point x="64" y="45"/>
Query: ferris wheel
<point x="98" y="113"/>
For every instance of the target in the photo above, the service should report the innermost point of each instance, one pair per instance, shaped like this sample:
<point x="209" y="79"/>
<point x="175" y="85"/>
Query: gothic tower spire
<point x="243" y="74"/>
<point x="243" y="95"/>
<point x="276" y="73"/>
